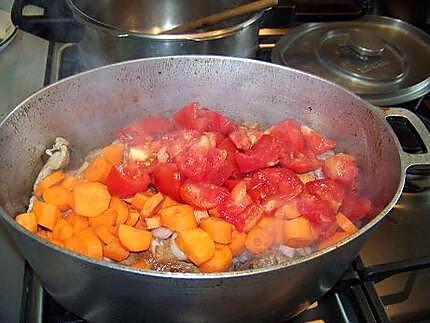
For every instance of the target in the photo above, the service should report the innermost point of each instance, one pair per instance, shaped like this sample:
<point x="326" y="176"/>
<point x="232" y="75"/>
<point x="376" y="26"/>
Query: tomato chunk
<point x="316" y="210"/>
<point x="168" y="180"/>
<point x="244" y="137"/>
<point x="231" y="151"/>
<point x="203" y="195"/>
<point x="288" y="132"/>
<point x="316" y="142"/>
<point x="341" y="168"/>
<point x="125" y="180"/>
<point x="300" y="162"/>
<point x="327" y="190"/>
<point x="140" y="131"/>
<point x="355" y="206"/>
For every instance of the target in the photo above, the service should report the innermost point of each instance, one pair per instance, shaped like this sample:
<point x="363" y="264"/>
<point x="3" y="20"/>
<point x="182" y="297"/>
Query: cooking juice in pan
<point x="198" y="192"/>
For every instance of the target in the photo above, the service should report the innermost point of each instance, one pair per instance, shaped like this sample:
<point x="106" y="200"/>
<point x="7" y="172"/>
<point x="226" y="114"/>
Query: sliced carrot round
<point x="28" y="221"/>
<point x="57" y="195"/>
<point x="133" y="239"/>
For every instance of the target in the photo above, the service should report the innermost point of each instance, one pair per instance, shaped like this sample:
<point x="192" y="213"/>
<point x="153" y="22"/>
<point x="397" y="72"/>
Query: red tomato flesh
<point x="125" y="181"/>
<point x="341" y="168"/>
<point x="355" y="206"/>
<point x="203" y="195"/>
<point x="327" y="190"/>
<point x="168" y="180"/>
<point x="140" y="131"/>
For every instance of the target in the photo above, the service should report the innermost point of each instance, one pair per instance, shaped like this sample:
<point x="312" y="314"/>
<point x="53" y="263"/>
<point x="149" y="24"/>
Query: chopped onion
<point x="176" y="251"/>
<point x="162" y="233"/>
<point x="319" y="174"/>
<point x="287" y="251"/>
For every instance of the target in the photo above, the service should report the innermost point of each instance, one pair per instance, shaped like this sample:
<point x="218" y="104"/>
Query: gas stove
<point x="389" y="281"/>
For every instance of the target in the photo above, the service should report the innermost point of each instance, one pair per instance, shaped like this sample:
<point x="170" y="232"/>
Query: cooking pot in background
<point x="117" y="30"/>
<point x="88" y="108"/>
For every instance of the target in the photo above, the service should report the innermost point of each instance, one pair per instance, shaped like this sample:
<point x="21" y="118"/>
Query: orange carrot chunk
<point x="141" y="264"/>
<point x="288" y="211"/>
<point x="178" y="217"/>
<point x="133" y="217"/>
<point x="218" y="229"/>
<point x="27" y="220"/>
<point x="85" y="243"/>
<point x="121" y="208"/>
<point x="221" y="261"/>
<point x="78" y="222"/>
<point x="105" y="234"/>
<point x="138" y="200"/>
<point x="57" y="195"/>
<point x="98" y="170"/>
<point x="345" y="224"/>
<point x="48" y="181"/>
<point x="115" y="251"/>
<point x="69" y="182"/>
<point x="63" y="230"/>
<point x="258" y="240"/>
<point x="298" y="233"/>
<point x="113" y="153"/>
<point x="106" y="218"/>
<point x="153" y="222"/>
<point x="46" y="214"/>
<point x="90" y="199"/>
<point x="197" y="244"/>
<point x="333" y="239"/>
<point x="237" y="245"/>
<point x="151" y="205"/>
<point x="133" y="239"/>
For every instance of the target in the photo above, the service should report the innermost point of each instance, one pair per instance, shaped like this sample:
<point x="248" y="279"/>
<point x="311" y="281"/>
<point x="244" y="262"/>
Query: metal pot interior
<point x="88" y="108"/>
<point x="152" y="16"/>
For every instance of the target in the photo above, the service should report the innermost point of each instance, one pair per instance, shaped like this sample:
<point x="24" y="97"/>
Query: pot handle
<point x="55" y="24"/>
<point x="408" y="159"/>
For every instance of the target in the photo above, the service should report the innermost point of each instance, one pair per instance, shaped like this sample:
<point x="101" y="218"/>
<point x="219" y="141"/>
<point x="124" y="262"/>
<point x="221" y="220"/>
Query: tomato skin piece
<point x="231" y="151"/>
<point x="203" y="195"/>
<point x="316" y="210"/>
<point x="140" y="131"/>
<point x="288" y="132"/>
<point x="168" y="180"/>
<point x="124" y="181"/>
<point x="341" y="168"/>
<point x="355" y="206"/>
<point x="316" y="142"/>
<point x="300" y="162"/>
<point x="327" y="190"/>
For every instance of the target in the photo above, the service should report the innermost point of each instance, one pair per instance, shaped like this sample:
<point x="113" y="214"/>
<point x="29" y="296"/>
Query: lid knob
<point x="366" y="44"/>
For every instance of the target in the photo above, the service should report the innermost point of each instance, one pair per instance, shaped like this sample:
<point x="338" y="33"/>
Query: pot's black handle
<point x="55" y="24"/>
<point x="325" y="10"/>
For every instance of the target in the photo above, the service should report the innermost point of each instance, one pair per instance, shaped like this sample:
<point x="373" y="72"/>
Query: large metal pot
<point x="88" y="108"/>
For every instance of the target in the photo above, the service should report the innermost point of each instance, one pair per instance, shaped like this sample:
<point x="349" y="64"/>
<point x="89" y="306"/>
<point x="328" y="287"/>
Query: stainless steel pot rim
<point x="200" y="36"/>
<point x="199" y="276"/>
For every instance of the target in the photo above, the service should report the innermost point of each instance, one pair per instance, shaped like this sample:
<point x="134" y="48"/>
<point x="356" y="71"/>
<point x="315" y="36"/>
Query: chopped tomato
<point x="140" y="131"/>
<point x="231" y="183"/>
<point x="327" y="190"/>
<point x="203" y="195"/>
<point x="192" y="116"/>
<point x="315" y="210"/>
<point x="176" y="142"/>
<point x="231" y="151"/>
<point x="124" y="181"/>
<point x="270" y="181"/>
<point x="288" y="132"/>
<point x="316" y="142"/>
<point x="355" y="206"/>
<point x="168" y="180"/>
<point x="300" y="162"/>
<point x="341" y="168"/>
<point x="324" y="230"/>
<point x="232" y="213"/>
<point x="244" y="137"/>
<point x="265" y="153"/>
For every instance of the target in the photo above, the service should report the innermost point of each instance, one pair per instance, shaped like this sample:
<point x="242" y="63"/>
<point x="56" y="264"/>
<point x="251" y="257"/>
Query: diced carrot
<point x="258" y="240"/>
<point x="279" y="231"/>
<point x="113" y="153"/>
<point x="345" y="224"/>
<point x="267" y="224"/>
<point x="218" y="229"/>
<point x="305" y="178"/>
<point x="85" y="243"/>
<point x="255" y="215"/>
<point x="178" y="217"/>
<point x="106" y="218"/>
<point x="237" y="245"/>
<point x="168" y="202"/>
<point x="214" y="212"/>
<point x="115" y="251"/>
<point x="333" y="239"/>
<point x="48" y="181"/>
<point x="141" y="264"/>
<point x="153" y="222"/>
<point x="288" y="211"/>
<point x="138" y="200"/>
<point x="133" y="217"/>
<point x="105" y="235"/>
<point x="27" y="220"/>
<point x="151" y="205"/>
<point x="59" y="196"/>
<point x="298" y="233"/>
<point x="57" y="242"/>
<point x="44" y="234"/>
<point x="63" y="230"/>
<point x="46" y="214"/>
<point x="141" y="224"/>
<point x="197" y="244"/>
<point x="90" y="198"/>
<point x="78" y="222"/>
<point x="133" y="239"/>
<point x="69" y="182"/>
<point x="113" y="230"/>
<point x="121" y="209"/>
<point x="221" y="261"/>
<point x="98" y="170"/>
